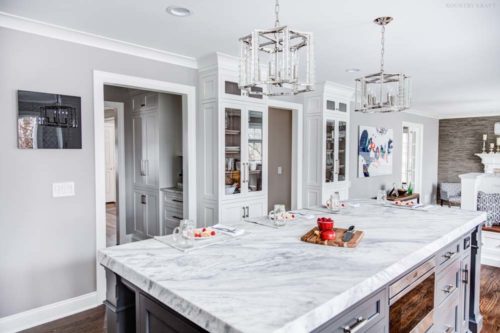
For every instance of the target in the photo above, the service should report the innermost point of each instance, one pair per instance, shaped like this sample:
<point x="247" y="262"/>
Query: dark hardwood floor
<point x="490" y="299"/>
<point x="90" y="321"/>
<point x="93" y="321"/>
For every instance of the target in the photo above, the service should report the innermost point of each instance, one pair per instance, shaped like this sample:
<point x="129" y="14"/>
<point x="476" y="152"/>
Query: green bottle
<point x="410" y="189"/>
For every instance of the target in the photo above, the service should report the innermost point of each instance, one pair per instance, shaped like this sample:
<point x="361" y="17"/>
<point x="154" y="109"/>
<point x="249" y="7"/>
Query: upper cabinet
<point x="231" y="144"/>
<point x="326" y="142"/>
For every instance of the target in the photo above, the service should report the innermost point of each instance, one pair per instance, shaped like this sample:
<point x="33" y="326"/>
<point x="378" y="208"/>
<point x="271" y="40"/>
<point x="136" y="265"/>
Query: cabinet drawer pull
<point x="466" y="275"/>
<point x="177" y="217"/>
<point x="448" y="255"/>
<point x="143" y="199"/>
<point x="143" y="105"/>
<point x="360" y="322"/>
<point x="449" y="329"/>
<point x="176" y="200"/>
<point x="448" y="288"/>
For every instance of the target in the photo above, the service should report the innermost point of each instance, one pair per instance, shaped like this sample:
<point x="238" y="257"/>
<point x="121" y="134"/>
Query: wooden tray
<point x="313" y="236"/>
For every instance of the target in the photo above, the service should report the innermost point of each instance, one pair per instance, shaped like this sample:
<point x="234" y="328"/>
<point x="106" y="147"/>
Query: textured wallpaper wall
<point x="459" y="140"/>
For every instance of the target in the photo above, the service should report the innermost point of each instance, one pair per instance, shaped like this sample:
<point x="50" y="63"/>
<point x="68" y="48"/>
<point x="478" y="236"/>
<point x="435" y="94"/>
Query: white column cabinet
<point x="232" y="146"/>
<point x="326" y="143"/>
<point x="156" y="141"/>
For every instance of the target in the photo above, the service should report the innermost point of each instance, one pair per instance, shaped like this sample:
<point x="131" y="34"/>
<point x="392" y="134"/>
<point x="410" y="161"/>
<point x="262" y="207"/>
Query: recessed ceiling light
<point x="178" y="11"/>
<point x="352" y="70"/>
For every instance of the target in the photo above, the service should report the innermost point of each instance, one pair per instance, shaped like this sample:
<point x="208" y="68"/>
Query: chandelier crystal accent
<point x="277" y="61"/>
<point x="383" y="92"/>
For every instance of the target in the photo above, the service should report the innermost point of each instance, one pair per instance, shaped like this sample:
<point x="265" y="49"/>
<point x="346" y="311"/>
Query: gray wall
<point x="47" y="245"/>
<point x="459" y="140"/>
<point x="367" y="187"/>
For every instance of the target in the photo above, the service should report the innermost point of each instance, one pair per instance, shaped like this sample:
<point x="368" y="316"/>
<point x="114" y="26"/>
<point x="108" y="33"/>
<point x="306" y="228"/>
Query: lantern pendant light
<point x="277" y="61"/>
<point x="382" y="92"/>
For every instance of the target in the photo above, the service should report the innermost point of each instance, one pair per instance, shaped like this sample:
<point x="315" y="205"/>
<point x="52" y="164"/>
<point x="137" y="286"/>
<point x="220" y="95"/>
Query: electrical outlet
<point x="280" y="170"/>
<point x="66" y="189"/>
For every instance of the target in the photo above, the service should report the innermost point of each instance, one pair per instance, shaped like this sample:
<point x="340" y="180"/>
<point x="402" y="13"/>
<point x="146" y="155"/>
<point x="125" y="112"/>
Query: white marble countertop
<point x="270" y="281"/>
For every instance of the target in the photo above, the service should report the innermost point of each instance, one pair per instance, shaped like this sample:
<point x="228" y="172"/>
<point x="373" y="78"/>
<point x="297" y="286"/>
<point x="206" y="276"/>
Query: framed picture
<point x="375" y="151"/>
<point x="48" y="121"/>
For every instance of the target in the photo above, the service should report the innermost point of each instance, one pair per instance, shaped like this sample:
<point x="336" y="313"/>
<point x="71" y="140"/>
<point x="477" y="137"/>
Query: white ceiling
<point x="451" y="48"/>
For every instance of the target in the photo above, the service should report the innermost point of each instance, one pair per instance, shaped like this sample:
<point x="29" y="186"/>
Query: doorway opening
<point x="151" y="165"/>
<point x="411" y="152"/>
<point x="144" y="205"/>
<point x="280" y="157"/>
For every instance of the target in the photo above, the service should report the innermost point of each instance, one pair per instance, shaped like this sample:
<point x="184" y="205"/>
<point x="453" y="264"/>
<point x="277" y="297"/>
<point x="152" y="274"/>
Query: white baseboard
<point x="24" y="320"/>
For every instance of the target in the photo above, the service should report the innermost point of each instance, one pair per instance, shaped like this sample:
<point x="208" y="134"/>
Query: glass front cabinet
<point x="335" y="150"/>
<point x="243" y="150"/>
<point x="326" y="143"/>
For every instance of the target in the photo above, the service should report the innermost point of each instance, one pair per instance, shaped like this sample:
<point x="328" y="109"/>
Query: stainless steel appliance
<point x="411" y="300"/>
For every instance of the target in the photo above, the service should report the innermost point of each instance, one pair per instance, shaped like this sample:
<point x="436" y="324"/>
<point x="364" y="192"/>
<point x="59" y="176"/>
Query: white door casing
<point x="109" y="142"/>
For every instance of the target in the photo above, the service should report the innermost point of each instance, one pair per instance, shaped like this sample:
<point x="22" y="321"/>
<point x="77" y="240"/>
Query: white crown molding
<point x="70" y="35"/>
<point x="34" y="317"/>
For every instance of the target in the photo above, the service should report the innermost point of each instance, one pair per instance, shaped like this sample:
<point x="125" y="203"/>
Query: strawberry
<point x="204" y="229"/>
<point x="212" y="233"/>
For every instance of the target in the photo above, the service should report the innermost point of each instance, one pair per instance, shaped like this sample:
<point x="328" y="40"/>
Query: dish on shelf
<point x="232" y="132"/>
<point x="232" y="148"/>
<point x="230" y="189"/>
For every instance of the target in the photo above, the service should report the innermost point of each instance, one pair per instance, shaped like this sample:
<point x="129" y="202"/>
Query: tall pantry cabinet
<point x="156" y="126"/>
<point x="231" y="145"/>
<point x="326" y="143"/>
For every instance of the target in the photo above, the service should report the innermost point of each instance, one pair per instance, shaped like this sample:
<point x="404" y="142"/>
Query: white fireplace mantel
<point x="491" y="162"/>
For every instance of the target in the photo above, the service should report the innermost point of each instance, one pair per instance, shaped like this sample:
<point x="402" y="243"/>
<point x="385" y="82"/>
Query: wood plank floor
<point x="93" y="321"/>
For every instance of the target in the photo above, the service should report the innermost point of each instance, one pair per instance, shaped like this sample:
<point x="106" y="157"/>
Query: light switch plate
<point x="66" y="189"/>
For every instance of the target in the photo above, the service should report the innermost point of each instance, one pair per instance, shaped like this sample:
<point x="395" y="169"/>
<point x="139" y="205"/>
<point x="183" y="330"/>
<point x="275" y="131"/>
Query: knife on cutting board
<point x="348" y="234"/>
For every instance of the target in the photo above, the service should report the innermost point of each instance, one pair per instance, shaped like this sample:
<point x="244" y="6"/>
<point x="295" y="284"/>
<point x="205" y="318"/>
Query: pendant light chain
<point x="277" y="13"/>
<point x="382" y="49"/>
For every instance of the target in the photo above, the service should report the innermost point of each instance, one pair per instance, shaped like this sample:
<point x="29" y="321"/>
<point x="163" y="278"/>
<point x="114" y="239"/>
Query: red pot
<point x="325" y="223"/>
<point x="328" y="235"/>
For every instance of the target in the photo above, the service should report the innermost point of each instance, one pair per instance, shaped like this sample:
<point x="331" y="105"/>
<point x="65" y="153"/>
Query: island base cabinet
<point x="446" y="316"/>
<point x="156" y="318"/>
<point x="368" y="317"/>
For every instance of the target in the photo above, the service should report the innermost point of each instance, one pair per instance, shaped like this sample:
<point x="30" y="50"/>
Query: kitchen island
<point x="269" y="281"/>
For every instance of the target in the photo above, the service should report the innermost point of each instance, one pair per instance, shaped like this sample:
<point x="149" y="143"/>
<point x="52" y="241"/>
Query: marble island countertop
<point x="270" y="281"/>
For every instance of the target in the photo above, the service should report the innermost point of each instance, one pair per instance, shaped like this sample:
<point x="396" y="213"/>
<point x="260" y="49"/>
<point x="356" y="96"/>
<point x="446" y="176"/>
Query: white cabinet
<point x="156" y="140"/>
<point x="145" y="149"/>
<point x="243" y="154"/>
<point x="146" y="214"/>
<point x="326" y="143"/>
<point x="232" y="146"/>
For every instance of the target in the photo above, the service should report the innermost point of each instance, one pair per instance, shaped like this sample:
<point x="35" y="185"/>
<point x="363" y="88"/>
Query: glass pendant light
<point x="382" y="92"/>
<point x="277" y="61"/>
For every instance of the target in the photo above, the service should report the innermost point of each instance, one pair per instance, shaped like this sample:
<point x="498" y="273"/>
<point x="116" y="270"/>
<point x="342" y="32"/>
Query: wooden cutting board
<point x="313" y="236"/>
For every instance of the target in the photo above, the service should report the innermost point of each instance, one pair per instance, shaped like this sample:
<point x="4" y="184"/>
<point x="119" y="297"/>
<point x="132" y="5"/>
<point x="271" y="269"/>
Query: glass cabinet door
<point x="252" y="174"/>
<point x="341" y="164"/>
<point x="232" y="146"/>
<point x="330" y="151"/>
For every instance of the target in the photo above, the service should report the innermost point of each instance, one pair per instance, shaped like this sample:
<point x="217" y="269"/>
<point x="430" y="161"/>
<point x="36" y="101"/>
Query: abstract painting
<point x="375" y="151"/>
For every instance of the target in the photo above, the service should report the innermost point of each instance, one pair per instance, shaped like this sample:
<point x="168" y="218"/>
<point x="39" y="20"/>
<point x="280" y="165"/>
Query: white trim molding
<point x="80" y="37"/>
<point x="34" y="317"/>
<point x="188" y="94"/>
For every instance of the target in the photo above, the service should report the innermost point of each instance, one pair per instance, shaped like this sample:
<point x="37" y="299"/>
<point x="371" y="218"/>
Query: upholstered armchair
<point x="450" y="193"/>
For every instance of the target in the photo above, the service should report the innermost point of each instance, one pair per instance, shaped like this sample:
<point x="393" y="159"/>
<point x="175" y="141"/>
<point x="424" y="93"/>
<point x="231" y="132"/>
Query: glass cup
<point x="183" y="235"/>
<point x="381" y="196"/>
<point x="278" y="215"/>
<point x="334" y="202"/>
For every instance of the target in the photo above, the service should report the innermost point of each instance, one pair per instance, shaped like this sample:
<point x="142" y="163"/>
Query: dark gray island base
<point x="432" y="289"/>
